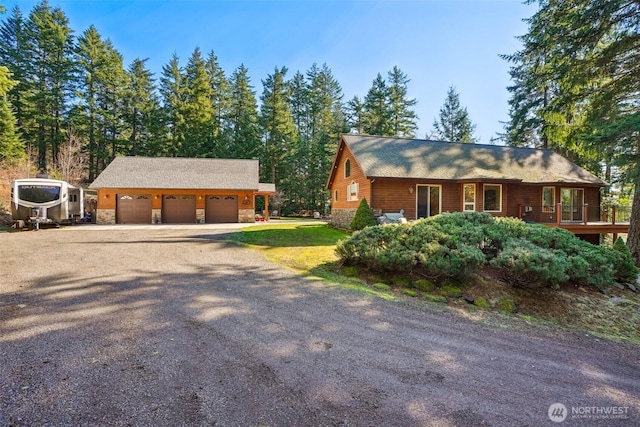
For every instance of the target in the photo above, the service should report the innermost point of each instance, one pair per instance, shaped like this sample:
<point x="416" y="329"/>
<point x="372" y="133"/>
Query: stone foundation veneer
<point x="246" y="215"/>
<point x="200" y="216"/>
<point x="341" y="218"/>
<point x="156" y="216"/>
<point x="105" y="216"/>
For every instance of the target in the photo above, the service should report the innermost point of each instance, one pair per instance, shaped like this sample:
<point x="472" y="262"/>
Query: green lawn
<point x="304" y="248"/>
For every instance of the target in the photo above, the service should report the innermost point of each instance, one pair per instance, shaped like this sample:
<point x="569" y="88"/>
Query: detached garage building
<point x="146" y="190"/>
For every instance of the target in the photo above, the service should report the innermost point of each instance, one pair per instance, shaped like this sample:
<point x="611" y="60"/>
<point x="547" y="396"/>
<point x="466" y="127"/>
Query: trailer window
<point x="38" y="193"/>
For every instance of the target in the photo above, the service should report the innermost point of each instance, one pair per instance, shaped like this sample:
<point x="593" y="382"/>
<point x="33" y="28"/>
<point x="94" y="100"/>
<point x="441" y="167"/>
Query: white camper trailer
<point x="36" y="201"/>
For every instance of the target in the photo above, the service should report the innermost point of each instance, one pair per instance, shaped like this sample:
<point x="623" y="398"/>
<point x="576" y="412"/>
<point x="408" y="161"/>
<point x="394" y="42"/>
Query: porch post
<point x="558" y="213"/>
<point x="613" y="215"/>
<point x="266" y="207"/>
<point x="585" y="213"/>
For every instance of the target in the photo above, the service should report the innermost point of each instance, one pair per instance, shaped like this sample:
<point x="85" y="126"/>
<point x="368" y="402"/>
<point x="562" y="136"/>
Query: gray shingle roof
<point x="179" y="173"/>
<point x="415" y="158"/>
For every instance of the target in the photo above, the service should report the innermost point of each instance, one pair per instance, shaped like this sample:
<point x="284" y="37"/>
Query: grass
<point x="309" y="250"/>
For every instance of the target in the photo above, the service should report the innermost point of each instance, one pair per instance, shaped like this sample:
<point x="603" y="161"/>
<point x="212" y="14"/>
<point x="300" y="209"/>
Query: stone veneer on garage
<point x="106" y="216"/>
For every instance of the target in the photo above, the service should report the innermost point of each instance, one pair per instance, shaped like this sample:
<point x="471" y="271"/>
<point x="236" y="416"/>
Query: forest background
<point x="69" y="104"/>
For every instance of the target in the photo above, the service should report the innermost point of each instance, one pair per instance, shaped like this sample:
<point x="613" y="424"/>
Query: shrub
<point x="402" y="282"/>
<point x="451" y="291"/>
<point x="523" y="264"/>
<point x="625" y="270"/>
<point x="350" y="272"/>
<point x="381" y="286"/>
<point x="506" y="306"/>
<point x="424" y="285"/>
<point x="481" y="302"/>
<point x="363" y="217"/>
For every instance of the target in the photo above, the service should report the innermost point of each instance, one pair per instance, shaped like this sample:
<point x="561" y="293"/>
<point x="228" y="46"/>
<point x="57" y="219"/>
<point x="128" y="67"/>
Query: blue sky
<point x="436" y="43"/>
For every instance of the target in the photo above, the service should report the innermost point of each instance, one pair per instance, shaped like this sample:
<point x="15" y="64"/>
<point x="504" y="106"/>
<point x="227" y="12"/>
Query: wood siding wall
<point x="339" y="182"/>
<point x="107" y="196"/>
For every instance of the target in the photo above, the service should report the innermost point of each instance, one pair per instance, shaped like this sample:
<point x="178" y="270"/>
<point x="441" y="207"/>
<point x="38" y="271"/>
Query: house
<point x="425" y="178"/>
<point x="145" y="190"/>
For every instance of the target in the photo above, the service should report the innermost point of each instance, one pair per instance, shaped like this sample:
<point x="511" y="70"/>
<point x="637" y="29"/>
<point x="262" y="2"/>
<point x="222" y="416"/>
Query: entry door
<point x="572" y="202"/>
<point x="429" y="200"/>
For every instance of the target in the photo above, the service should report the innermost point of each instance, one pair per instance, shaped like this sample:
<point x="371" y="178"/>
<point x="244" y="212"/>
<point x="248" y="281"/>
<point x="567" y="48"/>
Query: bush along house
<point x="146" y="190"/>
<point x="424" y="178"/>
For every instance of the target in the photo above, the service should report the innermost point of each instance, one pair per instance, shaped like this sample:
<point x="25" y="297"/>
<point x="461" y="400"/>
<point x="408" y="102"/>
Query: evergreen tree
<point x="141" y="106"/>
<point x="402" y="117"/>
<point x="243" y="117"/>
<point x="355" y="115"/>
<point x="50" y="47"/>
<point x="11" y="146"/>
<point x="376" y="119"/>
<point x="577" y="87"/>
<point x="197" y="109"/>
<point x="220" y="100"/>
<point x="276" y="124"/>
<point x="15" y="56"/>
<point x="454" y="124"/>
<point x="172" y="90"/>
<point x="326" y="123"/>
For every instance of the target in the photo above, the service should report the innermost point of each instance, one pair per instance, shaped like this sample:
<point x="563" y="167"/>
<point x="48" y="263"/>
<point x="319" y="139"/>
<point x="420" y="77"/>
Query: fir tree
<point x="402" y="117"/>
<point x="454" y="124"/>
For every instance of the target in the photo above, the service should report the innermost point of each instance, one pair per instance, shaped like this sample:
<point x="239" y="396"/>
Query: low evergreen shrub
<point x="625" y="270"/>
<point x="523" y="264"/>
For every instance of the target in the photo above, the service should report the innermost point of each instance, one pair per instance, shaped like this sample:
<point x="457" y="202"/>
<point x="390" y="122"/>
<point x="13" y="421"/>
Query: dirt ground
<point x="173" y="326"/>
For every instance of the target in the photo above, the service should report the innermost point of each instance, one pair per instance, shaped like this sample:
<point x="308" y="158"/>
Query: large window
<point x="36" y="193"/>
<point x="548" y="199"/>
<point x="493" y="197"/>
<point x="347" y="168"/>
<point x="469" y="197"/>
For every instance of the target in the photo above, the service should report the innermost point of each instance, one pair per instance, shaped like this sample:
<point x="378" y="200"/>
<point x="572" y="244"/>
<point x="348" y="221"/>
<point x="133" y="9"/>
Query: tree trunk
<point x="633" y="240"/>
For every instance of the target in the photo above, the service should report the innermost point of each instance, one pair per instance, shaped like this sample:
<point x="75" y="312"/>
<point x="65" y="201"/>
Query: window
<point x="347" y="168"/>
<point x="469" y="197"/>
<point x="492" y="197"/>
<point x="336" y="195"/>
<point x="352" y="191"/>
<point x="548" y="199"/>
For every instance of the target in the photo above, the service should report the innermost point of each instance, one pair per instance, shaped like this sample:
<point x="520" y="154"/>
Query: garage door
<point x="221" y="209"/>
<point x="178" y="209"/>
<point x="133" y="209"/>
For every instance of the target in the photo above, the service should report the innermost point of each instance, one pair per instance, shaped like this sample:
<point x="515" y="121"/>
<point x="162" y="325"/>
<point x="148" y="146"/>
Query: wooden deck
<point x="599" y="227"/>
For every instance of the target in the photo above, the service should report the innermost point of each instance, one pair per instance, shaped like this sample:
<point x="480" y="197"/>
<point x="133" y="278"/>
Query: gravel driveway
<point x="173" y="326"/>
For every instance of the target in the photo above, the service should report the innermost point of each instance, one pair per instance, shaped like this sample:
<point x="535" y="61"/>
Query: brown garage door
<point x="133" y="209"/>
<point x="221" y="209"/>
<point x="179" y="209"/>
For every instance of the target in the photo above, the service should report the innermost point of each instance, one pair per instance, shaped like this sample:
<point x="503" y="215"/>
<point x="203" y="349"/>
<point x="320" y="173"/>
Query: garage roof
<point x="179" y="173"/>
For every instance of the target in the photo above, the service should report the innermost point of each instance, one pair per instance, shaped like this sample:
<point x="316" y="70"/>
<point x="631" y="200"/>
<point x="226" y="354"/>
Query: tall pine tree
<point x="453" y="124"/>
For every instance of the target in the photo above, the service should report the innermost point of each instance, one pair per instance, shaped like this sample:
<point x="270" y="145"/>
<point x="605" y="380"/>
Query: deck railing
<point x="559" y="214"/>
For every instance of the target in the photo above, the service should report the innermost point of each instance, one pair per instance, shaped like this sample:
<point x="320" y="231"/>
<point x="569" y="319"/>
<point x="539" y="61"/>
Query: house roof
<point x="390" y="157"/>
<point x="179" y="173"/>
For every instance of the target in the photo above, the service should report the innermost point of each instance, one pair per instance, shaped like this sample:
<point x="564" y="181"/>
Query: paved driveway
<point x="173" y="326"/>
